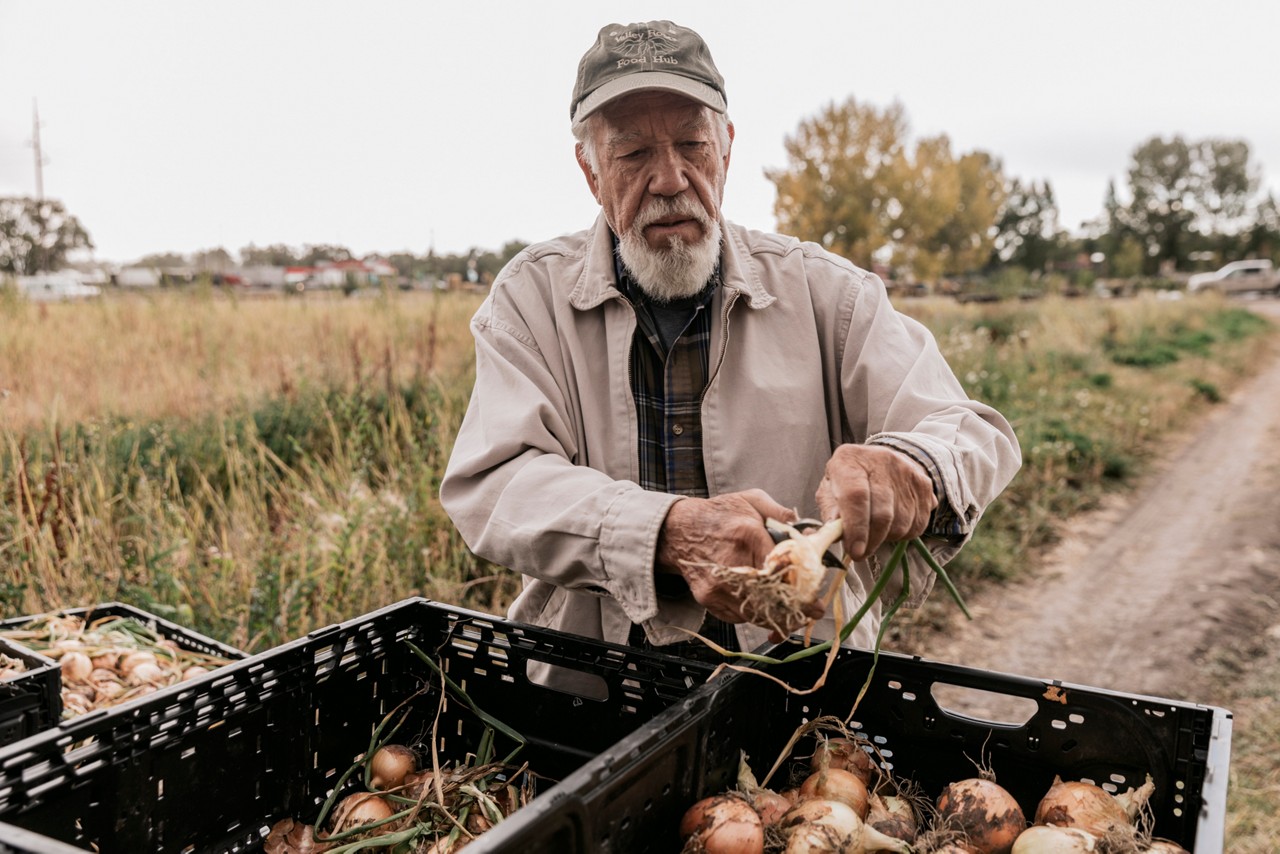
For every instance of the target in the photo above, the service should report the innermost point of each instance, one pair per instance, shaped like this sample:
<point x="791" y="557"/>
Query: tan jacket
<point x="807" y="354"/>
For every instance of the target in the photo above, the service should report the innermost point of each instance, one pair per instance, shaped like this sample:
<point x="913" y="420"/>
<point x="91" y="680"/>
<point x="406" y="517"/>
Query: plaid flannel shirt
<point x="668" y="379"/>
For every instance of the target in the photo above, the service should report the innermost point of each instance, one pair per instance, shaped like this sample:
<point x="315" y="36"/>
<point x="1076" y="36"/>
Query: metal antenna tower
<point x="35" y="144"/>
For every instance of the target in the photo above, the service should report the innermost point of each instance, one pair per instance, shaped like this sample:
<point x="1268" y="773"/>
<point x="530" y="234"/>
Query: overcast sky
<point x="393" y="126"/>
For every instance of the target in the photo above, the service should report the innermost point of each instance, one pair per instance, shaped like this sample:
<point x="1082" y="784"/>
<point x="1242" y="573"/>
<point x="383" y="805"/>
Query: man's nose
<point x="668" y="177"/>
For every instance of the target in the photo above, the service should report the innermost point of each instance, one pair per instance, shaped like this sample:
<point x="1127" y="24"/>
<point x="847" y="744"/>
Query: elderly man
<point x="651" y="390"/>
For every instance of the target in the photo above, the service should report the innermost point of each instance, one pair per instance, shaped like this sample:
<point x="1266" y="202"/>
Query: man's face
<point x="655" y="148"/>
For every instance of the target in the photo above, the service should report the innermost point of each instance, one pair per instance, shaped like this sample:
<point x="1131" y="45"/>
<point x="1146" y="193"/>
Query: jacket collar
<point x="597" y="282"/>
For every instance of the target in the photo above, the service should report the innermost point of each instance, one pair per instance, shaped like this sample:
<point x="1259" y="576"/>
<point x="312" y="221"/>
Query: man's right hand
<point x="727" y="530"/>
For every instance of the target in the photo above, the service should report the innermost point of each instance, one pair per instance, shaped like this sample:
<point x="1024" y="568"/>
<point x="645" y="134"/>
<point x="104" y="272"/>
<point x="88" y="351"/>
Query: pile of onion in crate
<point x="108" y="660"/>
<point x="408" y="800"/>
<point x="840" y="798"/>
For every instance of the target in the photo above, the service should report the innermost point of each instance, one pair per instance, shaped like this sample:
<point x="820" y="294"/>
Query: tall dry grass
<point x="257" y="468"/>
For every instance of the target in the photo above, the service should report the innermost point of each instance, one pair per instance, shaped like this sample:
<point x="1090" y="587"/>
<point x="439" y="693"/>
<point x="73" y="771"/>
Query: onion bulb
<point x="1089" y="807"/>
<point x="193" y="671"/>
<point x="985" y="812"/>
<point x="798" y="560"/>
<point x="846" y="754"/>
<point x="389" y="766"/>
<point x="131" y="661"/>
<point x="1048" y="839"/>
<point x="76" y="666"/>
<point x="722" y="824"/>
<point x="836" y="784"/>
<point x="145" y="673"/>
<point x="770" y="806"/>
<point x="818" y="826"/>
<point x="292" y="837"/>
<point x="893" y="816"/>
<point x="1164" y="846"/>
<point x="359" y="808"/>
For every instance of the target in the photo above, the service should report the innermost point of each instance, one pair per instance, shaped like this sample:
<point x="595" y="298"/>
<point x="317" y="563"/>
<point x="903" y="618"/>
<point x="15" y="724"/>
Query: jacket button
<point x="677" y="429"/>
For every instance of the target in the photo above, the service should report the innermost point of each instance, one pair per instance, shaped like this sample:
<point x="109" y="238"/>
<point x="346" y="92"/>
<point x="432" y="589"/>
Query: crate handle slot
<point x="989" y="708"/>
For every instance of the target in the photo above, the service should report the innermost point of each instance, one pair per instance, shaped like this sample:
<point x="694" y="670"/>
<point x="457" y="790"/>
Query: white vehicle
<point x="55" y="287"/>
<point x="1238" y="277"/>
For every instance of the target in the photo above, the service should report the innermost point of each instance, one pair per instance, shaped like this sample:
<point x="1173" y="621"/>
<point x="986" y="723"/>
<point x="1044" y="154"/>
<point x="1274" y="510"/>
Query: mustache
<point x="665" y="208"/>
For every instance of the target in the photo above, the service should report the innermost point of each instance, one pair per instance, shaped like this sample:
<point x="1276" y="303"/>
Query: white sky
<point x="385" y="126"/>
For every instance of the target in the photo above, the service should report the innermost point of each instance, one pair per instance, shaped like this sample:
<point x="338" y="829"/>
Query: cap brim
<point x="645" y="80"/>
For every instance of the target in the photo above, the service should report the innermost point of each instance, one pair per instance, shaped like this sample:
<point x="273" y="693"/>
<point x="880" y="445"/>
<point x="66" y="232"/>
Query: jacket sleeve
<point x="897" y="379"/>
<point x="517" y="495"/>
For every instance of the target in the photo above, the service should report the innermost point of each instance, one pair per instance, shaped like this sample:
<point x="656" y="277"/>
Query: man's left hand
<point x="882" y="495"/>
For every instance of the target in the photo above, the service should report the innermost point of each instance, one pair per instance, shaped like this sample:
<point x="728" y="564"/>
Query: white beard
<point x="682" y="269"/>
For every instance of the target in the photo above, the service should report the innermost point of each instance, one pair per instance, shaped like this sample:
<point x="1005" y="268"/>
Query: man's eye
<point x="633" y="155"/>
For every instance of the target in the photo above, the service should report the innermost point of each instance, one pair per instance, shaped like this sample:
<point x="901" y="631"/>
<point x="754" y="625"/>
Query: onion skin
<point x="360" y="808"/>
<point x="989" y="816"/>
<point x="893" y="816"/>
<point x="389" y="766"/>
<point x="722" y="824"/>
<point x="1082" y="805"/>
<point x="817" y="826"/>
<point x="845" y="754"/>
<point x="1048" y="839"/>
<point x="76" y="666"/>
<point x="1164" y="846"/>
<point x="770" y="806"/>
<point x="836" y="784"/>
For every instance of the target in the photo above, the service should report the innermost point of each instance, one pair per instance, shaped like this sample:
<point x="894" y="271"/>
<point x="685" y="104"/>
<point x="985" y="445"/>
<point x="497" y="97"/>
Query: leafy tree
<point x="216" y="260"/>
<point x="851" y="186"/>
<point x="275" y="255"/>
<point x="36" y="235"/>
<point x="1185" y="192"/>
<point x="836" y="189"/>
<point x="163" y="259"/>
<point x="314" y="253"/>
<point x="1027" y="231"/>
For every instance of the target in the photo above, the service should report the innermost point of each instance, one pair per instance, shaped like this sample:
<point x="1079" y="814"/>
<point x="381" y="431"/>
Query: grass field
<point x="256" y="469"/>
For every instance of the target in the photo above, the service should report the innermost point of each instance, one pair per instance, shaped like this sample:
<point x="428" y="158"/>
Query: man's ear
<point x="729" y="150"/>
<point x="587" y="172"/>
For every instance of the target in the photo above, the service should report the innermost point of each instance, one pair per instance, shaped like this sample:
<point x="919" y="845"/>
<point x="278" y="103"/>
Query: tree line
<point x="856" y="184"/>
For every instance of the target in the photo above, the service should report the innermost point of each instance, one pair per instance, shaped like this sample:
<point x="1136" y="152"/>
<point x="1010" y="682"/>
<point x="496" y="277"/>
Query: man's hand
<point x="882" y="495"/>
<point x="727" y="530"/>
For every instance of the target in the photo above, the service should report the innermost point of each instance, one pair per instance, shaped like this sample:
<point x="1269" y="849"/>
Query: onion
<point x="131" y="661"/>
<point x="836" y="784"/>
<point x="893" y="816"/>
<point x="798" y="560"/>
<point x="985" y="812"/>
<point x="359" y="808"/>
<point x="193" y="671"/>
<point x="815" y="826"/>
<point x="846" y="754"/>
<point x="389" y="766"/>
<point x="722" y="824"/>
<point x="76" y="666"/>
<point x="770" y="806"/>
<point x="1090" y="807"/>
<point x="145" y="673"/>
<point x="1048" y="839"/>
<point x="1164" y="846"/>
<point x="292" y="837"/>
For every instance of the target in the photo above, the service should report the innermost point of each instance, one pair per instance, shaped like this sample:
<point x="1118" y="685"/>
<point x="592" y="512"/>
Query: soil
<point x="1171" y="589"/>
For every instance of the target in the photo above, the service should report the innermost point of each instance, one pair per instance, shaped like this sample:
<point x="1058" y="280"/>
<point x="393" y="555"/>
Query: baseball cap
<point x="654" y="55"/>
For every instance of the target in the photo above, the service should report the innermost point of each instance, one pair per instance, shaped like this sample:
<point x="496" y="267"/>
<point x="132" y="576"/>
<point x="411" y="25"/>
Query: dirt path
<point x="1163" y="589"/>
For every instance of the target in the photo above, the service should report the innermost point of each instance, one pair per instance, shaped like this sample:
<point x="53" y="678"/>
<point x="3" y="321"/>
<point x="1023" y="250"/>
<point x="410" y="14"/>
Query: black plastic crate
<point x="631" y="798"/>
<point x="184" y="637"/>
<point x="31" y="702"/>
<point x="210" y="766"/>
